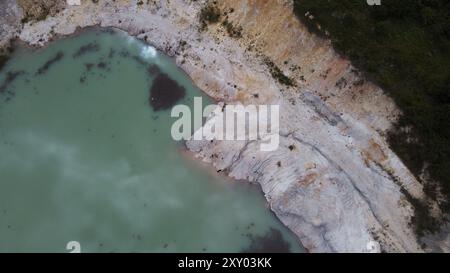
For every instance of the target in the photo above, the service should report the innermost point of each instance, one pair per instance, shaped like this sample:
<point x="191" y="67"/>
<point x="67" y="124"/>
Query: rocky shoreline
<point x="334" y="181"/>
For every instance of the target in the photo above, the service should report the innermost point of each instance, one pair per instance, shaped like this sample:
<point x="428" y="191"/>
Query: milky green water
<point x="83" y="157"/>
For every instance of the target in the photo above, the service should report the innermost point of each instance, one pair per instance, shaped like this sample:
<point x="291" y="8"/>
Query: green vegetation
<point x="233" y="31"/>
<point x="209" y="14"/>
<point x="422" y="221"/>
<point x="277" y="74"/>
<point x="404" y="47"/>
<point x="37" y="17"/>
<point x="39" y="10"/>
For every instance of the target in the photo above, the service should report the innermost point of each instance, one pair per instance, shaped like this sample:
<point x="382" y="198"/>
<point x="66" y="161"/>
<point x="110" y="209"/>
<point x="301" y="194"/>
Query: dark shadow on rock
<point x="165" y="92"/>
<point x="271" y="242"/>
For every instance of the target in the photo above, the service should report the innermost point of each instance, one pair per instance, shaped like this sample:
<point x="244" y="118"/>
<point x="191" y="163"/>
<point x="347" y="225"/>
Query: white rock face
<point x="73" y="2"/>
<point x="10" y="16"/>
<point x="333" y="181"/>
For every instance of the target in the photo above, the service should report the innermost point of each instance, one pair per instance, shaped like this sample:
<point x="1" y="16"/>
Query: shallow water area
<point x="85" y="156"/>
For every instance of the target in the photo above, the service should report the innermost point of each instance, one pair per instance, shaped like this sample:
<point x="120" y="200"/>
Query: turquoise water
<point x="84" y="157"/>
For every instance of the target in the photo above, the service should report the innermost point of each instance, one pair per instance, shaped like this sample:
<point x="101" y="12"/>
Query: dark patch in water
<point x="111" y="53"/>
<point x="108" y="30"/>
<point x="88" y="66"/>
<point x="102" y="65"/>
<point x="165" y="92"/>
<point x="11" y="76"/>
<point x="91" y="47"/>
<point x="3" y="60"/>
<point x="5" y="56"/>
<point x="271" y="242"/>
<point x="152" y="69"/>
<point x="50" y="62"/>
<point x="125" y="54"/>
<point x="139" y="60"/>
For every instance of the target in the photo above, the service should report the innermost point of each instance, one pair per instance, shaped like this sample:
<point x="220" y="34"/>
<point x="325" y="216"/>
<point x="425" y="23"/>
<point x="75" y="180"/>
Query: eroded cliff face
<point x="10" y="23"/>
<point x="333" y="181"/>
